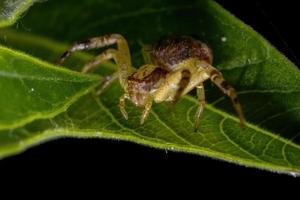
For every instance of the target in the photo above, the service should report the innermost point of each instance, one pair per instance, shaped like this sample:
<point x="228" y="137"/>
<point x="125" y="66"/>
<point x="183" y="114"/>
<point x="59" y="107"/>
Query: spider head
<point x="168" y="52"/>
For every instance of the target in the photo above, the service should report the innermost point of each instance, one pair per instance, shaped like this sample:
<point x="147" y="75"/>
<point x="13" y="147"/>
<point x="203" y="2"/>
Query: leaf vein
<point x="100" y="104"/>
<point x="254" y="127"/>
<point x="170" y="129"/>
<point x="234" y="143"/>
<point x="278" y="115"/>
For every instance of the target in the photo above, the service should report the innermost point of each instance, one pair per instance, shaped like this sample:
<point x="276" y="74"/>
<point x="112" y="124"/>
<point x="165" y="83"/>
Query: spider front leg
<point x="217" y="78"/>
<point x="201" y="103"/>
<point x="96" y="42"/>
<point x="147" y="108"/>
<point x="121" y="55"/>
<point x="146" y="111"/>
<point x="106" y="55"/>
<point x="107" y="80"/>
<point x="122" y="105"/>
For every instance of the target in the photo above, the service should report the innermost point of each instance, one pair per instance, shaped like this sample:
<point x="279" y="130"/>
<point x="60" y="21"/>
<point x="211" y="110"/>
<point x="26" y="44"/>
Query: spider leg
<point x="201" y="101"/>
<point x="94" y="43"/>
<point x="121" y="55"/>
<point x="217" y="78"/>
<point x="106" y="81"/>
<point x="122" y="105"/>
<point x="184" y="81"/>
<point x="146" y="49"/>
<point x="106" y="55"/>
<point x="147" y="108"/>
<point x="169" y="87"/>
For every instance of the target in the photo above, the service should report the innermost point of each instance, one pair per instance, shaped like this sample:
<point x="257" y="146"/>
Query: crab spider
<point x="174" y="67"/>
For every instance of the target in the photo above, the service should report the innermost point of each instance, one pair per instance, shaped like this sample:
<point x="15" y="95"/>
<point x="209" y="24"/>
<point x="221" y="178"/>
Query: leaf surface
<point x="32" y="89"/>
<point x="268" y="84"/>
<point x="11" y="10"/>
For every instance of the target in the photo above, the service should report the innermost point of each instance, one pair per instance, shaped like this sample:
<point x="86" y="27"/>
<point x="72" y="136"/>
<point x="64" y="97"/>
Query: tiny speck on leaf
<point x="223" y="39"/>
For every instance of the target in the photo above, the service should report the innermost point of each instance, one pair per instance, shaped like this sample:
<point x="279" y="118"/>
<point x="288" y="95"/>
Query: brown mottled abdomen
<point x="141" y="83"/>
<point x="168" y="52"/>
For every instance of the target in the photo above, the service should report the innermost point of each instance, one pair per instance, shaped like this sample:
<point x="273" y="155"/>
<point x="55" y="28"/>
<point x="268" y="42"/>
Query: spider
<point x="175" y="66"/>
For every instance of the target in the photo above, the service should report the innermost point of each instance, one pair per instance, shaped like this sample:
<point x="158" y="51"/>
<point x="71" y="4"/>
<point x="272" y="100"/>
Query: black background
<point x="117" y="163"/>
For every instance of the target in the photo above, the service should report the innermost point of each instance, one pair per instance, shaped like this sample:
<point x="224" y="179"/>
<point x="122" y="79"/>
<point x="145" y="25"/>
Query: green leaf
<point x="11" y="10"/>
<point x="32" y="89"/>
<point x="268" y="83"/>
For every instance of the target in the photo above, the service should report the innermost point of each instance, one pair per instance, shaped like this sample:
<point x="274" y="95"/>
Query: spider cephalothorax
<point x="174" y="67"/>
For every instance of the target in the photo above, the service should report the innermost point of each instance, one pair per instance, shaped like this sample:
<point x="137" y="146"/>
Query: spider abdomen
<point x="171" y="51"/>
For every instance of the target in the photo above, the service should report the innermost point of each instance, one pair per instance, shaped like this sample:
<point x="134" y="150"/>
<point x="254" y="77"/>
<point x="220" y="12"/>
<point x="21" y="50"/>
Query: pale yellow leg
<point x="121" y="55"/>
<point x="146" y="49"/>
<point x="106" y="55"/>
<point x="201" y="102"/>
<point x="148" y="105"/>
<point x="184" y="81"/>
<point x="122" y="105"/>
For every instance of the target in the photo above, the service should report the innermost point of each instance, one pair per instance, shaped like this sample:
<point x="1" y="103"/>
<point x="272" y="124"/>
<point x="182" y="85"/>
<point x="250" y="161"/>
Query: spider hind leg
<point x="201" y="103"/>
<point x="217" y="78"/>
